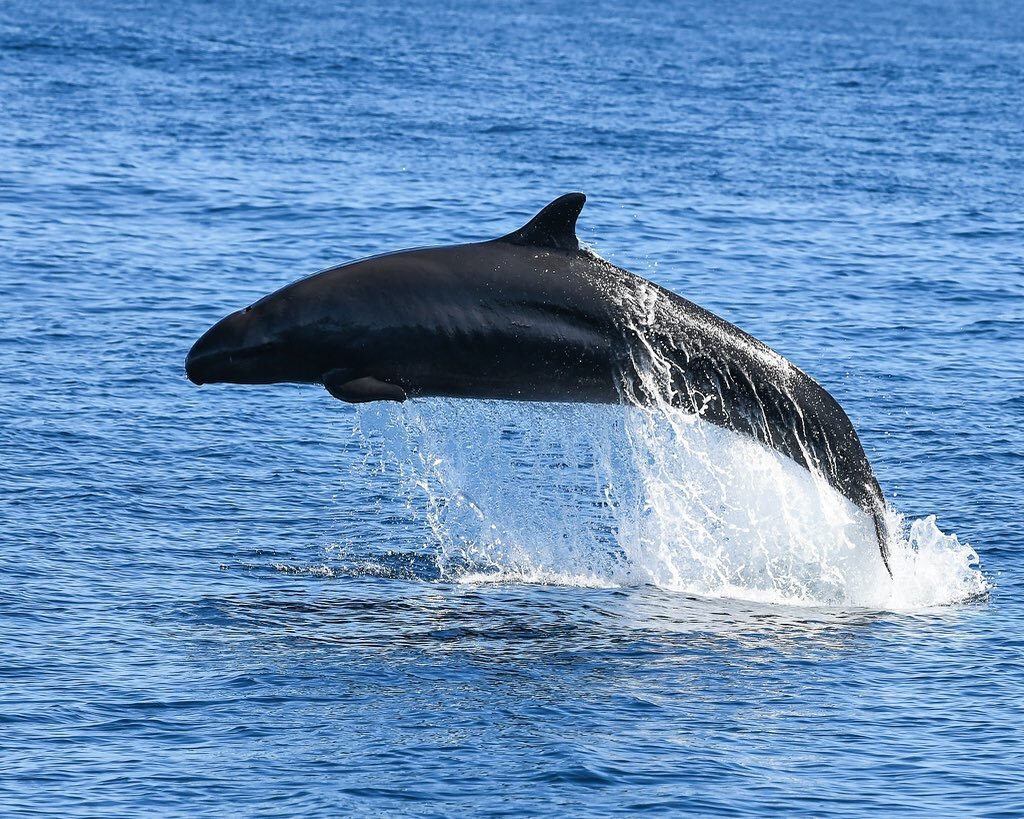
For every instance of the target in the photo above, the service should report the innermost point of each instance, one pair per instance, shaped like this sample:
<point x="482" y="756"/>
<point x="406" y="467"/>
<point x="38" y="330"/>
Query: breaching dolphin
<point x="532" y="316"/>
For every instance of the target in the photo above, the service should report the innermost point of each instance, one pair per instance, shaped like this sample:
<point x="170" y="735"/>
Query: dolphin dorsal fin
<point x="554" y="227"/>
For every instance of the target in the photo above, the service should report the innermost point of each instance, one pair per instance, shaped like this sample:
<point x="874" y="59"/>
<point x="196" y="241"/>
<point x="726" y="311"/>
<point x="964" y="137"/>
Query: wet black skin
<point x="532" y="317"/>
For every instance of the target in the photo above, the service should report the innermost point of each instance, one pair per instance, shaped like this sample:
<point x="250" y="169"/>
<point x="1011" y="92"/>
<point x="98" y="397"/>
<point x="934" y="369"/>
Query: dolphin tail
<point x="882" y="533"/>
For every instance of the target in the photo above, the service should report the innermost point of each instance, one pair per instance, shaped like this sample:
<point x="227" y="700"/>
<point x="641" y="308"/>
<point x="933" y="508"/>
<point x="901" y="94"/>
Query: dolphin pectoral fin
<point x="344" y="387"/>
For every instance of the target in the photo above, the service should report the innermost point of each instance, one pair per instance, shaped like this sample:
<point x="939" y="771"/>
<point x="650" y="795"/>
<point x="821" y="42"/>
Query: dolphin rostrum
<point x="532" y="316"/>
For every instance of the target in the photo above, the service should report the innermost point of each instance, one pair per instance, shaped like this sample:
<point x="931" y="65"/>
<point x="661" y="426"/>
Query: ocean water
<point x="261" y="601"/>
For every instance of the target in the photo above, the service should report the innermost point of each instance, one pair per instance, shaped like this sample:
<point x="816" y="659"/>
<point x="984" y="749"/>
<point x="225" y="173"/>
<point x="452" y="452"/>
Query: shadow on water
<point x="515" y="624"/>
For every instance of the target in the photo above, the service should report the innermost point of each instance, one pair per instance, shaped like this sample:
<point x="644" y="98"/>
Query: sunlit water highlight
<point x="612" y="495"/>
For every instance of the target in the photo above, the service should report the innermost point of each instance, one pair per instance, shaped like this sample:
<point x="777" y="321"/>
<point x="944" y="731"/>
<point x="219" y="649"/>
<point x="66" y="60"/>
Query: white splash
<point x="621" y="496"/>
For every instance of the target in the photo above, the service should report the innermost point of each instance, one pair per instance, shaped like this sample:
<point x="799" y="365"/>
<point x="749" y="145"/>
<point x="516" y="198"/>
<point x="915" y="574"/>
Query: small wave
<point x="535" y="577"/>
<point x="392" y="565"/>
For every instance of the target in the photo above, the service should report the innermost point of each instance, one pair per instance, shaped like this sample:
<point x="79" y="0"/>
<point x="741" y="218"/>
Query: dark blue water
<point x="259" y="601"/>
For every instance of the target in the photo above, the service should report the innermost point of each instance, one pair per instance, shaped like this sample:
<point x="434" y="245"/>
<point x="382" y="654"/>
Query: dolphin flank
<point x="533" y="317"/>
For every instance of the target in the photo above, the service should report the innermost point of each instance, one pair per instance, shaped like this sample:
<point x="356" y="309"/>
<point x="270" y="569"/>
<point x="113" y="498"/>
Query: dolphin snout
<point x="194" y="366"/>
<point x="235" y="351"/>
<point x="205" y="362"/>
<point x="211" y="359"/>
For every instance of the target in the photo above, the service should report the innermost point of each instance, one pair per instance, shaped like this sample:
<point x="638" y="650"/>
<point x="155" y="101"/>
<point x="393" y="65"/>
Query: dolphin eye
<point x="248" y="309"/>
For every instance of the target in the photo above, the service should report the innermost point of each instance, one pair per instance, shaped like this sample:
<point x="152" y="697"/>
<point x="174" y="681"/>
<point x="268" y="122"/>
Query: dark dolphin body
<point x="532" y="317"/>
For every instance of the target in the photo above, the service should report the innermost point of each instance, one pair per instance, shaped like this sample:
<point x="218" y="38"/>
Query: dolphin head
<point x="325" y="322"/>
<point x="264" y="343"/>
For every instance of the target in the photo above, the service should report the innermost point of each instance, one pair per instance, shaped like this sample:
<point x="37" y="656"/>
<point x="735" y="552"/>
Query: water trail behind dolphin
<point x="621" y="496"/>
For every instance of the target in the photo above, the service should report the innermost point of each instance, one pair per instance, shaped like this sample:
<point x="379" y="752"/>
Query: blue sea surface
<point x="261" y="601"/>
